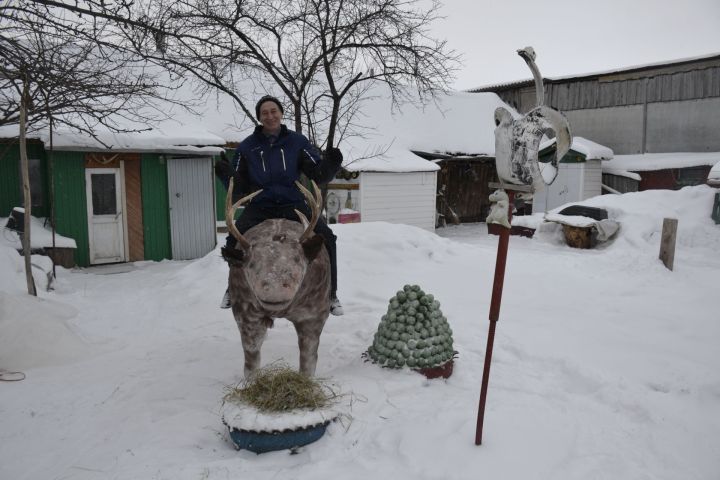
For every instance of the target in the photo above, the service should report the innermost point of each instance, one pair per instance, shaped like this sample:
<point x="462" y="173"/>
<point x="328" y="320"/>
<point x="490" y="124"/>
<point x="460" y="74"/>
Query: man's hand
<point x="223" y="169"/>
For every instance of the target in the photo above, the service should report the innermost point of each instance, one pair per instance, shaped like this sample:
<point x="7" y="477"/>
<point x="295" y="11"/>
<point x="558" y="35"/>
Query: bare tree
<point x="384" y="41"/>
<point x="79" y="82"/>
<point x="319" y="54"/>
<point x="322" y="55"/>
<point x="63" y="71"/>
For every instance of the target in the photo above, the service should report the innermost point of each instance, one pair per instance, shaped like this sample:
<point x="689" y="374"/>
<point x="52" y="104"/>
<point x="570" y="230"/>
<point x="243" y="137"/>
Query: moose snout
<point x="282" y="280"/>
<point x="269" y="286"/>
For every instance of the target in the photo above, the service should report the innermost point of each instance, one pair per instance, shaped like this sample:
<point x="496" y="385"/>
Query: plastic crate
<point x="349" y="217"/>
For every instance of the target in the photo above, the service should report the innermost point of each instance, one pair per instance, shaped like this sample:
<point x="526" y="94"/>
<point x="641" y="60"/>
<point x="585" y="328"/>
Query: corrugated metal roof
<point x="624" y="70"/>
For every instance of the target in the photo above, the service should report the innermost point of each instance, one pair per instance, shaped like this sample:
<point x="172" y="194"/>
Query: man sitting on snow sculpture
<point x="271" y="159"/>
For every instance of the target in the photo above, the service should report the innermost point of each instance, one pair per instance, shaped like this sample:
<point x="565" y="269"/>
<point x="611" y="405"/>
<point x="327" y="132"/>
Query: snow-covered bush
<point x="414" y="332"/>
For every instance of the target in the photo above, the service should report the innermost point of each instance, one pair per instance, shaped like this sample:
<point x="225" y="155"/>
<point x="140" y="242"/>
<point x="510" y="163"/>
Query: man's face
<point x="270" y="116"/>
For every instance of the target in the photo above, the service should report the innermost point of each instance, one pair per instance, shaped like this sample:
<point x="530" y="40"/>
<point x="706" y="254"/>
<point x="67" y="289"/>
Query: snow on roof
<point x="398" y="160"/>
<point x="659" y="161"/>
<point x="627" y="69"/>
<point x="212" y="120"/>
<point x="176" y="139"/>
<point x="179" y="139"/>
<point x="588" y="148"/>
<point x="458" y="122"/>
<point x="714" y="175"/>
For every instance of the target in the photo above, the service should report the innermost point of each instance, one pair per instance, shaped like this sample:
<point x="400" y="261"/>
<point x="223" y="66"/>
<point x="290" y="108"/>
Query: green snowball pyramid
<point x="413" y="332"/>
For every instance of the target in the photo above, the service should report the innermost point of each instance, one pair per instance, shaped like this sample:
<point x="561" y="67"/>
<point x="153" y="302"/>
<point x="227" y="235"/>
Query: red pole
<point x="495" y="301"/>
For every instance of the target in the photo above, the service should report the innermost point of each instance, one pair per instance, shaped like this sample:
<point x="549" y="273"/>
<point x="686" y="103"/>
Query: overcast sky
<point x="573" y="36"/>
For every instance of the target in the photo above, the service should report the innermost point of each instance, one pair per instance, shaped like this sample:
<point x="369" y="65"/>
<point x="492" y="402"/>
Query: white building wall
<point x="407" y="198"/>
<point x="575" y="182"/>
<point x="592" y="179"/>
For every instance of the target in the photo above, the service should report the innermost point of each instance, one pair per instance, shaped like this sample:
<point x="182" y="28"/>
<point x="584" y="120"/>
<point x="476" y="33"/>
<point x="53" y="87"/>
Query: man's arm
<point x="238" y="170"/>
<point x="323" y="168"/>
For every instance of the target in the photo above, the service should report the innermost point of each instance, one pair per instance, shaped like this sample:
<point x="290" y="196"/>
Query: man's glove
<point x="334" y="155"/>
<point x="223" y="169"/>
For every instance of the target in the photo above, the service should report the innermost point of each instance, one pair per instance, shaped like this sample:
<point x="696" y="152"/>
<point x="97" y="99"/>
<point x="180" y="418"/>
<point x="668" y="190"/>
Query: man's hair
<point x="267" y="98"/>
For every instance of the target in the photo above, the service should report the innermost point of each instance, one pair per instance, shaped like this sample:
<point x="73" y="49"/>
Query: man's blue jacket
<point x="273" y="164"/>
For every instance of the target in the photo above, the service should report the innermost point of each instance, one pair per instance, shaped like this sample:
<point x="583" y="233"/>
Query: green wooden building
<point x="120" y="205"/>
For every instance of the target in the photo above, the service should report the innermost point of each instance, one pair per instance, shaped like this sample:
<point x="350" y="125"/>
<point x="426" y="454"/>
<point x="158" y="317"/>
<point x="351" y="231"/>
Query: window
<point x="691" y="176"/>
<point x="103" y="194"/>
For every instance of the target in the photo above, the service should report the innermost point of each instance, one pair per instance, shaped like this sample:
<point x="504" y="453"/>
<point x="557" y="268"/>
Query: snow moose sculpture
<point x="279" y="269"/>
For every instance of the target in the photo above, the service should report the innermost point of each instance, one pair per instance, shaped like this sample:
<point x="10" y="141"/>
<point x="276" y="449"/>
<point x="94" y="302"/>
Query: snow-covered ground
<point x="606" y="364"/>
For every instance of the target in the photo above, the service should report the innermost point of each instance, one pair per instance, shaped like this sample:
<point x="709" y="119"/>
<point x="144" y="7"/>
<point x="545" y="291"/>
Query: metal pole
<point x="495" y="301"/>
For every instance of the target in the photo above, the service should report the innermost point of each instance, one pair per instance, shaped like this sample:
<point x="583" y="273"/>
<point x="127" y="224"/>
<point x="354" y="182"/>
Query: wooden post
<point x="667" y="242"/>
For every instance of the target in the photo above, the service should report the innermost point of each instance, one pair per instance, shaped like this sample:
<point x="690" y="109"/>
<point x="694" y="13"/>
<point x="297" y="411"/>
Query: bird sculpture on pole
<point x="517" y="142"/>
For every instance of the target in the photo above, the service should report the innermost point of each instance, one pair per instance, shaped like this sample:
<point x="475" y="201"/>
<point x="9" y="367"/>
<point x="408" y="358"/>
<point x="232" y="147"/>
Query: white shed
<point x="397" y="187"/>
<point x="579" y="174"/>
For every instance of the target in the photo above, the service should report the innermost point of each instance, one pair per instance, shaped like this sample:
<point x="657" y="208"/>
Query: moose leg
<point x="253" y="335"/>
<point x="308" y="333"/>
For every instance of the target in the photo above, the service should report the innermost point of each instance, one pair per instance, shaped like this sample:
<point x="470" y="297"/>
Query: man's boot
<point x="335" y="306"/>
<point x="225" y="302"/>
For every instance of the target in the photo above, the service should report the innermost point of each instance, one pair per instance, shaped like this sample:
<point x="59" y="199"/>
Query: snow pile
<point x="245" y="417"/>
<point x="40" y="236"/>
<point x="591" y="150"/>
<point x="625" y="165"/>
<point x="34" y="332"/>
<point x="37" y="332"/>
<point x="641" y="215"/>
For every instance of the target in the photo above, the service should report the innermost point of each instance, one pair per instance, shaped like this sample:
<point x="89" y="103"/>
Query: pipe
<point x="494" y="316"/>
<point x="610" y="189"/>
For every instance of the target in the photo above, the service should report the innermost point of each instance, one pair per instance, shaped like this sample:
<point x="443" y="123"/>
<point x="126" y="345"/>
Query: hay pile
<point x="278" y="388"/>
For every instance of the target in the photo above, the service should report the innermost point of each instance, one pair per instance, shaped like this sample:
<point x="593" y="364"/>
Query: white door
<point x="106" y="234"/>
<point x="191" y="184"/>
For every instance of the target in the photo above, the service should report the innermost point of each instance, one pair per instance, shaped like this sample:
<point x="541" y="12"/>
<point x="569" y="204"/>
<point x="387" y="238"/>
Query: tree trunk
<point x="27" y="198"/>
<point x="297" y="116"/>
<point x="51" y="176"/>
<point x="333" y="124"/>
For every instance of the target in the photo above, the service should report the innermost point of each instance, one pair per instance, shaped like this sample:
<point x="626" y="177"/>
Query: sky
<point x="605" y="364"/>
<point x="573" y="36"/>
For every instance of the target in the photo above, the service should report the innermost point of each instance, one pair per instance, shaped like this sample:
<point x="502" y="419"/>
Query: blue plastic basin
<point x="261" y="442"/>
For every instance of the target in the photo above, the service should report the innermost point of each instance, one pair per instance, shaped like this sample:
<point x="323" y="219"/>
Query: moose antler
<point x="230" y="210"/>
<point x="314" y="202"/>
